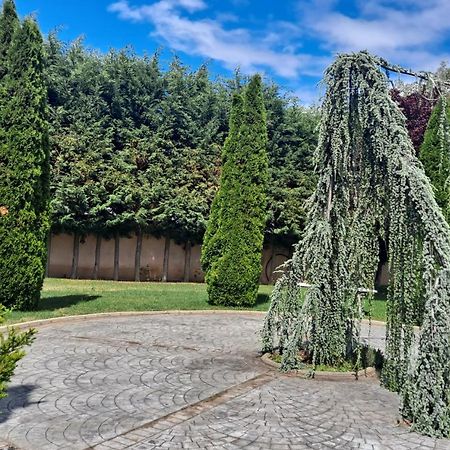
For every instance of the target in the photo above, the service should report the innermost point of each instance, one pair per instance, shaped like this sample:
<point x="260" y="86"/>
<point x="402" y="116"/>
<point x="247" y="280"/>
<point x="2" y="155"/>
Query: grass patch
<point x="62" y="297"/>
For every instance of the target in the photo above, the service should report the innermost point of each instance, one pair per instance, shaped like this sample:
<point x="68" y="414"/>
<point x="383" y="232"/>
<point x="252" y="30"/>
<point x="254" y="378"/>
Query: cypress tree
<point x="8" y="23"/>
<point x="24" y="165"/>
<point x="435" y="153"/>
<point x="211" y="248"/>
<point x="233" y="276"/>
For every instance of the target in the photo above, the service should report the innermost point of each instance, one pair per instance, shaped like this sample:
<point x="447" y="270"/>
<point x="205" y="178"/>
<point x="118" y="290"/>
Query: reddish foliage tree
<point x="417" y="109"/>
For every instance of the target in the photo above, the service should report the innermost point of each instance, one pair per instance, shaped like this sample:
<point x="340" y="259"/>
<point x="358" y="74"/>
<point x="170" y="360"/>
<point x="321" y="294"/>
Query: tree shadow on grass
<point x="64" y="301"/>
<point x="261" y="299"/>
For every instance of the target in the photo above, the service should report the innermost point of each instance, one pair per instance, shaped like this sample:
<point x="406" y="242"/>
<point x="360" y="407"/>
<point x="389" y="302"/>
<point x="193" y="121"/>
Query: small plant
<point x="11" y="350"/>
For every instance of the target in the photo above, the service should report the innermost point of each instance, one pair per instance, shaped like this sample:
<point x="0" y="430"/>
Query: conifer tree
<point x="371" y="186"/>
<point x="212" y="248"/>
<point x="233" y="275"/>
<point x="8" y="23"/>
<point x="24" y="165"/>
<point x="435" y="153"/>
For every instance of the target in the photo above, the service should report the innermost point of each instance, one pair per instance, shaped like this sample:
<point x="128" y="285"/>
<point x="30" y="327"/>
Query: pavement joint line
<point x="189" y="411"/>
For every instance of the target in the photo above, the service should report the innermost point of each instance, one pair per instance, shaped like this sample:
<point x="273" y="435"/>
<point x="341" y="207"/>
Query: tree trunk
<point x="75" y="256"/>
<point x="116" y="256"/>
<point x="187" y="262"/>
<point x="49" y="249"/>
<point x="98" y="246"/>
<point x="166" y="259"/>
<point x="137" y="257"/>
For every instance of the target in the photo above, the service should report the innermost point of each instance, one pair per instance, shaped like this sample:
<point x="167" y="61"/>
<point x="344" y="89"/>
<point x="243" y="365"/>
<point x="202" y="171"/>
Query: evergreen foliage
<point x="232" y="256"/>
<point x="371" y="187"/>
<point x="435" y="153"/>
<point x="136" y="147"/>
<point x="11" y="351"/>
<point x="213" y="244"/>
<point x="24" y="165"/>
<point x="8" y="24"/>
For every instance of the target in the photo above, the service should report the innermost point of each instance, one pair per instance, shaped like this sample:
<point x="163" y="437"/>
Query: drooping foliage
<point x="371" y="187"/>
<point x="435" y="153"/>
<point x="24" y="168"/>
<point x="136" y="146"/>
<point x="232" y="257"/>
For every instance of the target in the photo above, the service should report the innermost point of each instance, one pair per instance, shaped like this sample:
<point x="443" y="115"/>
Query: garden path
<point x="186" y="381"/>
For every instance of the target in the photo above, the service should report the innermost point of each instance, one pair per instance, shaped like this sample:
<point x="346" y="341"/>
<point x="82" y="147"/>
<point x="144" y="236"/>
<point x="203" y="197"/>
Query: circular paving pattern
<point x="185" y="381"/>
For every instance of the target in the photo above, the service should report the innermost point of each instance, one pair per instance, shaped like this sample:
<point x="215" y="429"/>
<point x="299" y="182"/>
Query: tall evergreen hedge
<point x="435" y="154"/>
<point x="24" y="167"/>
<point x="232" y="256"/>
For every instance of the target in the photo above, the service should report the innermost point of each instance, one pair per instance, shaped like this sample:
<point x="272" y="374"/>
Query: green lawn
<point x="62" y="297"/>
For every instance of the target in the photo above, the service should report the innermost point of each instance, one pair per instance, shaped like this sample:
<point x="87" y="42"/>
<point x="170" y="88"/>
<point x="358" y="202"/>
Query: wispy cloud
<point x="406" y="31"/>
<point x="173" y="21"/>
<point x="413" y="33"/>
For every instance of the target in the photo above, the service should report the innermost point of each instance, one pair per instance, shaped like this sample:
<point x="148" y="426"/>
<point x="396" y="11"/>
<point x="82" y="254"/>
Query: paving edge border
<point x="81" y="317"/>
<point x="370" y="372"/>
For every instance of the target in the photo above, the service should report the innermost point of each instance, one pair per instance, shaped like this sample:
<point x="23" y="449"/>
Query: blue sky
<point x="290" y="41"/>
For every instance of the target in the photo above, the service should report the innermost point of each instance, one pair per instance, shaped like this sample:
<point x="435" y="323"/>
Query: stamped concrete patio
<point x="186" y="381"/>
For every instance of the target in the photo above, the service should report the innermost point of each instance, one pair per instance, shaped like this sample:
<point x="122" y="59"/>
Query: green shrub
<point x="24" y="168"/>
<point x="234" y="239"/>
<point x="11" y="351"/>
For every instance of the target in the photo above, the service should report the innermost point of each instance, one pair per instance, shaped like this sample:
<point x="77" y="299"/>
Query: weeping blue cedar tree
<point x="371" y="186"/>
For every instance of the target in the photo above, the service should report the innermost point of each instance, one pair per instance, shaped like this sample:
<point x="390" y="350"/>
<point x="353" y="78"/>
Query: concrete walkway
<point x="186" y="381"/>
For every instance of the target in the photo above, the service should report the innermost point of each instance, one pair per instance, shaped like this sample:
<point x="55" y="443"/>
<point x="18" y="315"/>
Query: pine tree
<point x="24" y="164"/>
<point x="435" y="154"/>
<point x="233" y="278"/>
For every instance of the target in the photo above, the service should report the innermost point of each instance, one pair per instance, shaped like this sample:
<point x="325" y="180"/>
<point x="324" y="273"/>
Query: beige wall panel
<point x="61" y="252"/>
<point x="265" y="265"/>
<point x="176" y="262"/>
<point x="152" y="257"/>
<point x="86" y="258"/>
<point x="106" y="267"/>
<point x="196" y="274"/>
<point x="126" y="257"/>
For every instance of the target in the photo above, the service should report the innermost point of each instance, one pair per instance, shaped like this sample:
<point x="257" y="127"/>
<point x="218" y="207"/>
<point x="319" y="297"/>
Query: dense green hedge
<point x="136" y="145"/>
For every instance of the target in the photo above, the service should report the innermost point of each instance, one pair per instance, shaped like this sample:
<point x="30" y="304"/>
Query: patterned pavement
<point x="186" y="381"/>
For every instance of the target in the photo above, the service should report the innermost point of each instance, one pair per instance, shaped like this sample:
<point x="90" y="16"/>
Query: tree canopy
<point x="136" y="146"/>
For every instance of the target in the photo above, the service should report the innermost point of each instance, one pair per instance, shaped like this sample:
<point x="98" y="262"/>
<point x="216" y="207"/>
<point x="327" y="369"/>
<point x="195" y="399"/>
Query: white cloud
<point x="407" y="31"/>
<point x="211" y="39"/>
